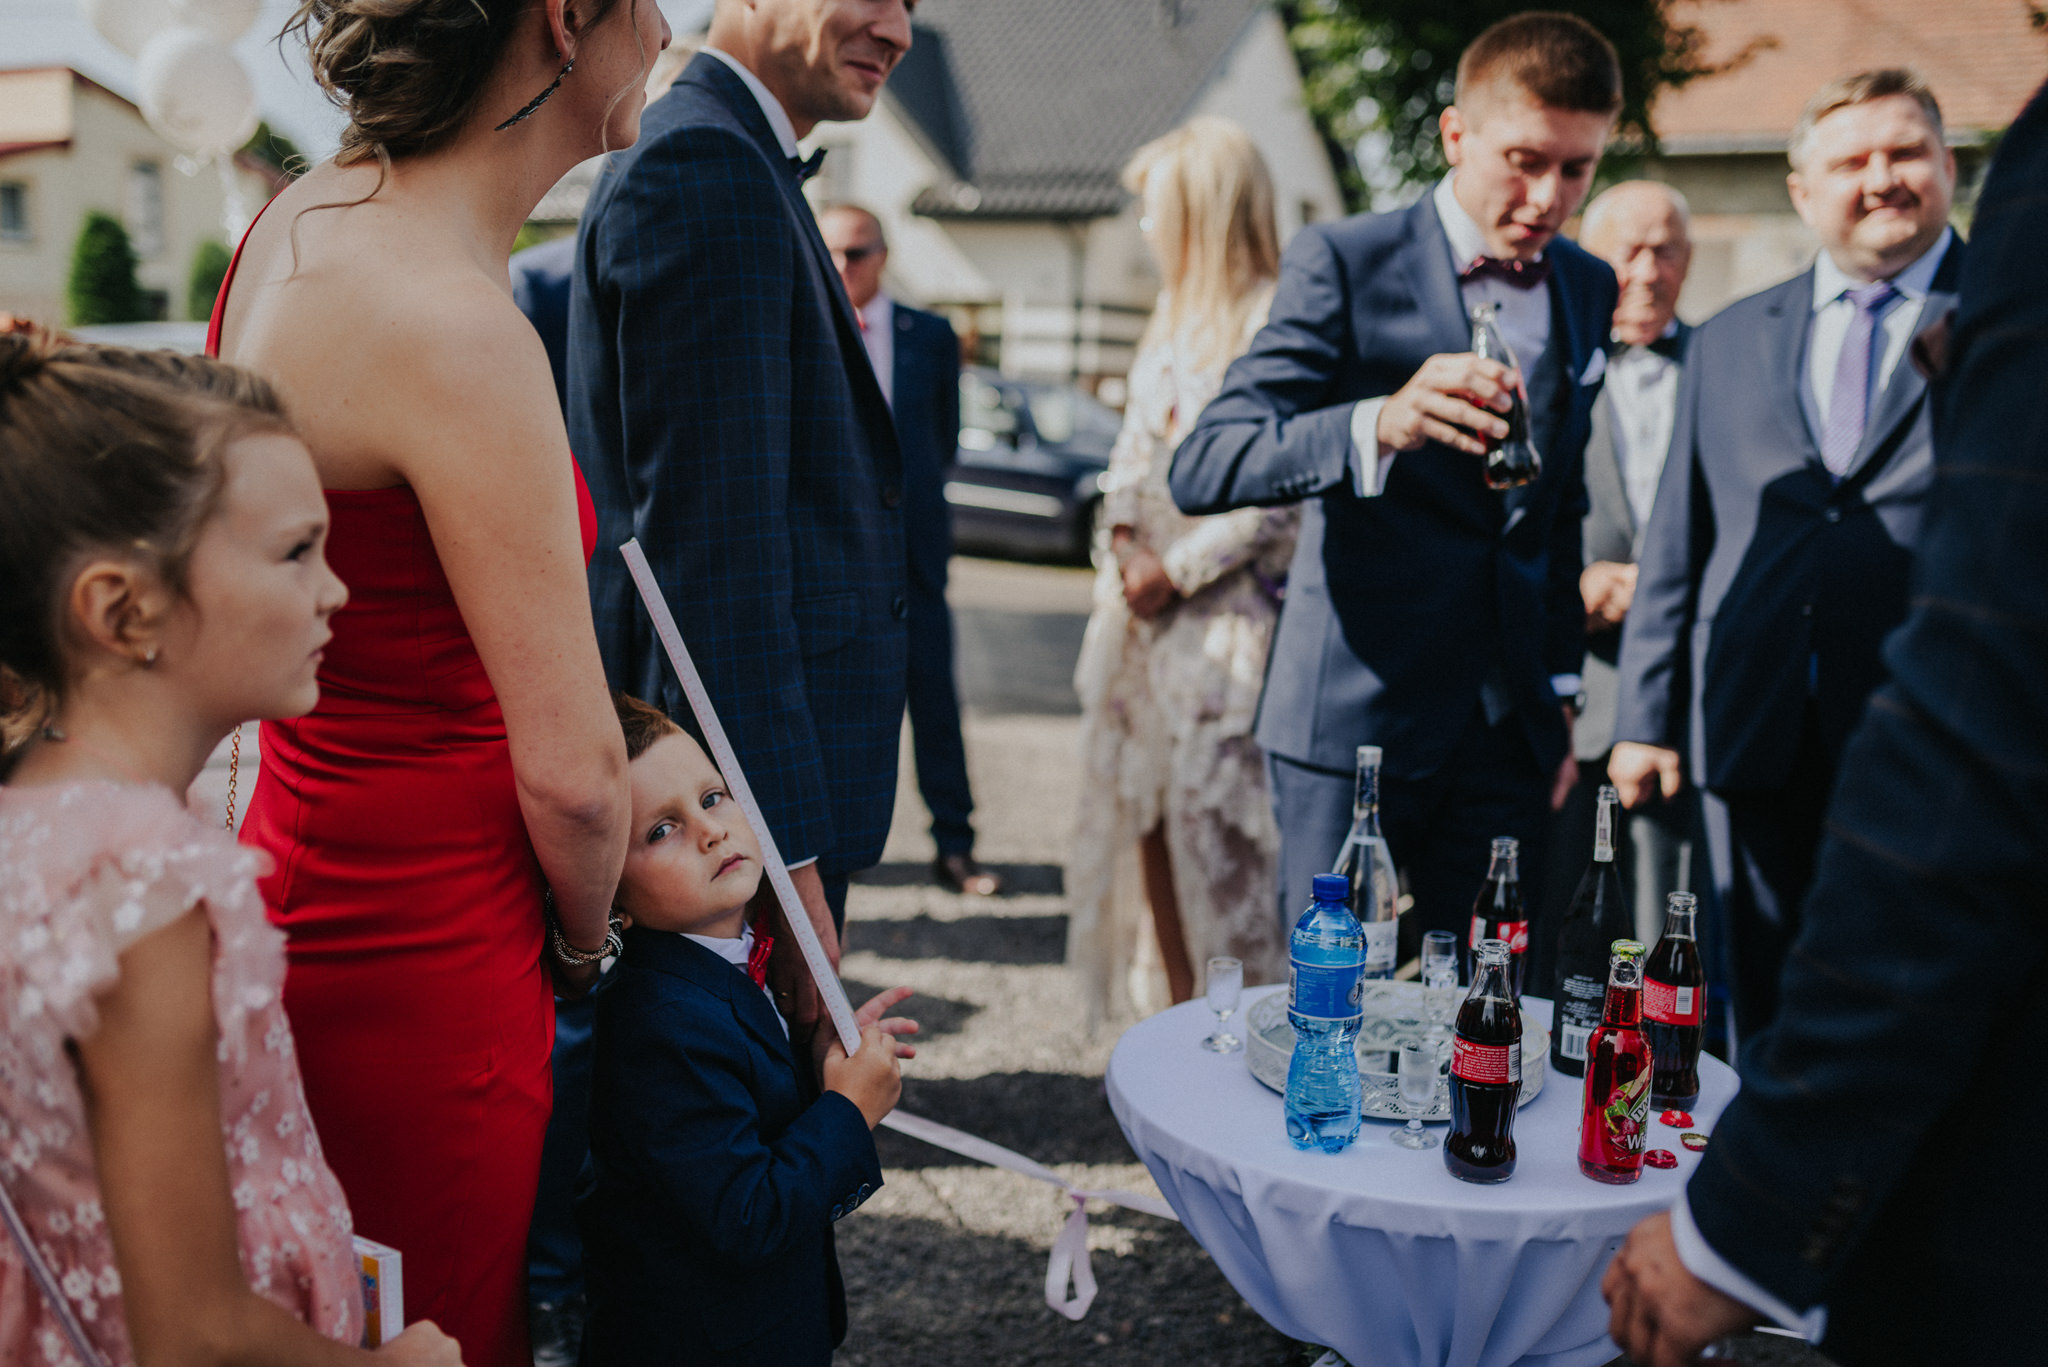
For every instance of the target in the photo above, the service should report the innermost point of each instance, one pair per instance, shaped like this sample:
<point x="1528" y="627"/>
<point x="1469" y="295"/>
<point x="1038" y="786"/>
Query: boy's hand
<point x="870" y="1014"/>
<point x="871" y="1079"/>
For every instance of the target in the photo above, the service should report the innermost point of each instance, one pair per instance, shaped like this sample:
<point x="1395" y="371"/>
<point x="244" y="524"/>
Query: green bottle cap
<point x="1628" y="949"/>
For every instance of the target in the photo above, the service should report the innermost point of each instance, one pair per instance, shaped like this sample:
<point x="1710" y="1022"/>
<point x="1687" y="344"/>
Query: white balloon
<point x="196" y="92"/>
<point x="226" y="20"/>
<point x="127" y="24"/>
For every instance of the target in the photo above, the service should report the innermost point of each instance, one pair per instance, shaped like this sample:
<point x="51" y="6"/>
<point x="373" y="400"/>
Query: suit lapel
<point x="1785" y="363"/>
<point x="1433" y="279"/>
<point x="715" y="76"/>
<point x="673" y="954"/>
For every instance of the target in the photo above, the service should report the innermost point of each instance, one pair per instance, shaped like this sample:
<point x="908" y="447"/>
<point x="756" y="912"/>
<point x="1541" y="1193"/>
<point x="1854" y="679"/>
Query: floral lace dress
<point x="86" y="870"/>
<point x="1167" y="707"/>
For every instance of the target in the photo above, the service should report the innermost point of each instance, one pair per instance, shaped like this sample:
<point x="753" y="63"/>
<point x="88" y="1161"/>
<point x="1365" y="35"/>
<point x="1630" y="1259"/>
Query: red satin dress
<point x="411" y="903"/>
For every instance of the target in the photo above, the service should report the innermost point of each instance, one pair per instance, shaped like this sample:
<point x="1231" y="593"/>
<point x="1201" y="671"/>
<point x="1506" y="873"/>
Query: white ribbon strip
<point x="1069" y="1264"/>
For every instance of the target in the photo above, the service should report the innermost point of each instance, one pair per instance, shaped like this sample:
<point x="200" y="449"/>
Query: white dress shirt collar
<point x="771" y="108"/>
<point x="1914" y="282"/>
<point x="736" y="951"/>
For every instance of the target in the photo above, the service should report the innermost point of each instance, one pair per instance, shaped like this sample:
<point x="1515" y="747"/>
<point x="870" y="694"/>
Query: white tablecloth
<point x="1379" y="1252"/>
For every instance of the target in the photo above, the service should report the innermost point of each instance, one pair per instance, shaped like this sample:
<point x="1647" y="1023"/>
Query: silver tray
<point x="1394" y="1015"/>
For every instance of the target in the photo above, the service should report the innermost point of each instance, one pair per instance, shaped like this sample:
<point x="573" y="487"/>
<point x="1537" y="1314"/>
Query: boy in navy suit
<point x="720" y="1165"/>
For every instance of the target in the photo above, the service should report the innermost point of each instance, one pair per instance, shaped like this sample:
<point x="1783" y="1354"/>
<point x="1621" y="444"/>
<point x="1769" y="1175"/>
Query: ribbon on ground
<point x="1069" y="1265"/>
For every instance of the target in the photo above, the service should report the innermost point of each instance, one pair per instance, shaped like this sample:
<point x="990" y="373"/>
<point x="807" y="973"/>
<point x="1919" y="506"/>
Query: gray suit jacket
<point x="1610" y="532"/>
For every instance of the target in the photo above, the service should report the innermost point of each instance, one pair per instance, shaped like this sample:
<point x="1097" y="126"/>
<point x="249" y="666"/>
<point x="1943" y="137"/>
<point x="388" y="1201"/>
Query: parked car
<point x="1026" y="480"/>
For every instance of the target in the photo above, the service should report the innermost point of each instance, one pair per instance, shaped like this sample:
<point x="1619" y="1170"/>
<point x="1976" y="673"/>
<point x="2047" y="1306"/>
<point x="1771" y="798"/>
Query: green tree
<point x="276" y="151"/>
<point x="209" y="267"/>
<point x="1377" y="73"/>
<point x="102" y="288"/>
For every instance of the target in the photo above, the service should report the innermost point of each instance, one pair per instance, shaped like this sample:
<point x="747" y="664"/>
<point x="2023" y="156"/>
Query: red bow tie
<point x="757" y="957"/>
<point x="1523" y="275"/>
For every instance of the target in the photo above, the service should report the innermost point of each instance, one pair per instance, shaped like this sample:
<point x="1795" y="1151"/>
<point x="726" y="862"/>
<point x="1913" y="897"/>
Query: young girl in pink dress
<point x="161" y="577"/>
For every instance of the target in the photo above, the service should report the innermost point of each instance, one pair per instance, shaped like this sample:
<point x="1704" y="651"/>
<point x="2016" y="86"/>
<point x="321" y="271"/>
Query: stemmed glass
<point x="1418" y="1090"/>
<point x="1439" y="977"/>
<point x="1226" y="982"/>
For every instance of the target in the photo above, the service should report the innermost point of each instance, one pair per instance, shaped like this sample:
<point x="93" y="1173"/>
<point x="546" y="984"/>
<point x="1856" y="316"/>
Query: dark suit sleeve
<point x="1655" y="667"/>
<point x="1924" y="935"/>
<point x="697" y="1125"/>
<point x="946" y="412"/>
<point x="1274" y="433"/>
<point x="1564" y="609"/>
<point x="697" y="246"/>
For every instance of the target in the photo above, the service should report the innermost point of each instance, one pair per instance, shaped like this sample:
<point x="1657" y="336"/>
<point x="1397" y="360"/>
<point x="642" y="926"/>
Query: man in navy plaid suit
<point x="726" y="415"/>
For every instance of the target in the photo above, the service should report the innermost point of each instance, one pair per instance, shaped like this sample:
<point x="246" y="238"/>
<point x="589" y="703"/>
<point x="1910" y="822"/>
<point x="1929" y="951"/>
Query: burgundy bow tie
<point x="1523" y="275"/>
<point x="757" y="958"/>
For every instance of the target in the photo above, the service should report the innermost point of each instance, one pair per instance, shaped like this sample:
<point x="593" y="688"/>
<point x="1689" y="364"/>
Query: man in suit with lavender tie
<point x="1778" y="554"/>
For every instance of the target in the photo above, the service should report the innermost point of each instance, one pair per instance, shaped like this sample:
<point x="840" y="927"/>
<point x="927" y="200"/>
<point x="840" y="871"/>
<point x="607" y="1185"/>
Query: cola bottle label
<point x="1516" y="933"/>
<point x="1494" y="1063"/>
<point x="1669" y="1004"/>
<point x="1325" y="991"/>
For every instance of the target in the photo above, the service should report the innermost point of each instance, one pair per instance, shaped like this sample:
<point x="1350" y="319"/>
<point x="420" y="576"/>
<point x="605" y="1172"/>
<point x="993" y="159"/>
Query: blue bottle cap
<point x="1330" y="887"/>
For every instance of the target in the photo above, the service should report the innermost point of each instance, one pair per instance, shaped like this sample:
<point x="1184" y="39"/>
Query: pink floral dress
<point x="86" y="870"/>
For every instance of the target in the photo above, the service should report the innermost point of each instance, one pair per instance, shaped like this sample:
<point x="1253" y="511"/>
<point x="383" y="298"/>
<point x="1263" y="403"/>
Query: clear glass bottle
<point x="1675" y="1006"/>
<point x="1498" y="912"/>
<point x="1511" y="461"/>
<point x="1615" y="1110"/>
<point x="1486" y="1074"/>
<point x="1366" y="864"/>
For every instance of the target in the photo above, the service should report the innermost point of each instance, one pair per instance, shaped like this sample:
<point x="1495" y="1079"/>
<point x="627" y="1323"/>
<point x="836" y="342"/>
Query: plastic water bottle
<point x="1325" y="986"/>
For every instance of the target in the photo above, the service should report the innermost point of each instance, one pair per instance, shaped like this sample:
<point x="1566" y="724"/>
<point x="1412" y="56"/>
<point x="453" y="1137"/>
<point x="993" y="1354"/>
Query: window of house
<point x="146" y="208"/>
<point x="14" y="216"/>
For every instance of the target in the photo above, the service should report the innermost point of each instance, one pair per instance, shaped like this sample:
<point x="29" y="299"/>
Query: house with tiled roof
<point x="1724" y="136"/>
<point x="993" y="156"/>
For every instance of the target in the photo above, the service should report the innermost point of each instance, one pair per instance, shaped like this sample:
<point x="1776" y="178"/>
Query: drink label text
<point x="1669" y="1004"/>
<point x="1495" y="1063"/>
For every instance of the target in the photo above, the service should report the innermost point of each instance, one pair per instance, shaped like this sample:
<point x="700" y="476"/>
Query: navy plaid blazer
<point x="725" y="414"/>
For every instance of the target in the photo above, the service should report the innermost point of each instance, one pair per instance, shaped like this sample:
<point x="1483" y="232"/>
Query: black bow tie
<point x="806" y="167"/>
<point x="1523" y="275"/>
<point x="1666" y="346"/>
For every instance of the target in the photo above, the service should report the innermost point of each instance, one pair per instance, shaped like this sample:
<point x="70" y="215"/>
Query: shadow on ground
<point x="929" y="1294"/>
<point x="968" y="940"/>
<point x="934" y="1015"/>
<point x="1019" y="880"/>
<point x="1053" y="1117"/>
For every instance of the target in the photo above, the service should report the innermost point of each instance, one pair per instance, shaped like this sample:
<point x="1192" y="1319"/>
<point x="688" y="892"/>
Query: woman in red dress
<point x="464" y="754"/>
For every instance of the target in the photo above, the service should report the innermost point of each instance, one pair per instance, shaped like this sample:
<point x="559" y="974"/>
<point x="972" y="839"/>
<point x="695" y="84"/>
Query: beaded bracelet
<point x="567" y="953"/>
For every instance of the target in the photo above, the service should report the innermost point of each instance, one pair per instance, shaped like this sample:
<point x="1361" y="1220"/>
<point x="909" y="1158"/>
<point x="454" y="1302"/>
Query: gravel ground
<point x="945" y="1266"/>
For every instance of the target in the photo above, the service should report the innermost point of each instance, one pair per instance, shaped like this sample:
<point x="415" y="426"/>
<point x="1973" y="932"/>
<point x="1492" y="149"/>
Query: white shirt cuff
<point x="796" y="864"/>
<point x="1567" y="686"/>
<point x="1703" y="1262"/>
<point x="1368" y="471"/>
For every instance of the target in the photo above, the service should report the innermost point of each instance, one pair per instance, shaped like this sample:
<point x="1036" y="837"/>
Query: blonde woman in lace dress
<point x="1173" y="858"/>
<point x="161" y="576"/>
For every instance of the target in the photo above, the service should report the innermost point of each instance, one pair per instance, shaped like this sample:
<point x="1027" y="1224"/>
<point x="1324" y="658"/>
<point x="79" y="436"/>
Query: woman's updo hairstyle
<point x="103" y="450"/>
<point x="408" y="73"/>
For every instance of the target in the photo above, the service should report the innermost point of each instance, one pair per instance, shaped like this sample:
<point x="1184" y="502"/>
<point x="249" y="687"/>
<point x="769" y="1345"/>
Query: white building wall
<point x="108" y="138"/>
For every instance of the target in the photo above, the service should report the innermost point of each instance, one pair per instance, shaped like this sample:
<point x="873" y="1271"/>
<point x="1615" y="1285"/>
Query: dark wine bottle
<point x="1597" y="917"/>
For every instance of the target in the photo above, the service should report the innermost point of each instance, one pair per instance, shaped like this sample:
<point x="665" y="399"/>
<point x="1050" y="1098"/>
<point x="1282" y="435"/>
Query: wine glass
<point x="1226" y="981"/>
<point x="1418" y="1090"/>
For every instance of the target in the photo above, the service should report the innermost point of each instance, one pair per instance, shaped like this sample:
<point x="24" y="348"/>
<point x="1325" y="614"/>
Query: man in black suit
<point x="917" y="359"/>
<point x="1778" y="554"/>
<point x="1426" y="613"/>
<point x="1643" y="229"/>
<point x="1878" y="1168"/>
<point x="726" y="415"/>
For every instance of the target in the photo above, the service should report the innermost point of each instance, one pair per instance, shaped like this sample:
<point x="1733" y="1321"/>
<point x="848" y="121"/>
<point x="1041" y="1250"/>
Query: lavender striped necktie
<point x="1849" y="406"/>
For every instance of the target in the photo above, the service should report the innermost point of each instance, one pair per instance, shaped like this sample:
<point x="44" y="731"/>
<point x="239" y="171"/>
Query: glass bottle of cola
<point x="1368" y="867"/>
<point x="1675" y="1006"/>
<point x="1498" y="914"/>
<point x="1616" y="1109"/>
<point x="1511" y="461"/>
<point x="1486" y="1074"/>
<point x="1596" y="919"/>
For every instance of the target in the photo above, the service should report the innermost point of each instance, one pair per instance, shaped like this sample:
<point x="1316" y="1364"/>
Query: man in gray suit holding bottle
<point x="1642" y="228"/>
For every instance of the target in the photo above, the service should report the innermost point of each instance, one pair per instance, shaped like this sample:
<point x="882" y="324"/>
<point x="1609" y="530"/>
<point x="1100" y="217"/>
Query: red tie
<point x="757" y="958"/>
